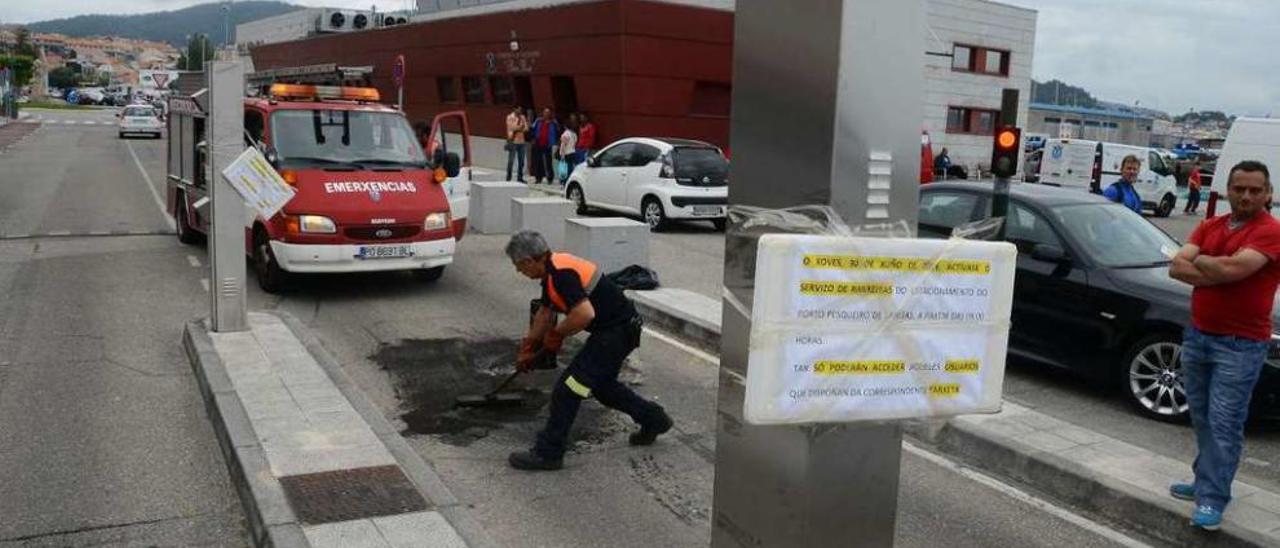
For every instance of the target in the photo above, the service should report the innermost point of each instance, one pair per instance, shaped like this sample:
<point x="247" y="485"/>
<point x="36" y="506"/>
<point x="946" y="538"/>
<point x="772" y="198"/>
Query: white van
<point x="1249" y="139"/>
<point x="1094" y="165"/>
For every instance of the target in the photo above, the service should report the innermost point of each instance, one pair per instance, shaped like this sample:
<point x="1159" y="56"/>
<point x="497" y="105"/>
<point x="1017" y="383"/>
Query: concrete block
<point x="543" y="215"/>
<point x="610" y="242"/>
<point x="361" y="533"/>
<point x="418" y="529"/>
<point x="491" y="205"/>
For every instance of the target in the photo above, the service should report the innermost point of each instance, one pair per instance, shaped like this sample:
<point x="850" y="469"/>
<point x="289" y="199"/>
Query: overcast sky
<point x="1173" y="55"/>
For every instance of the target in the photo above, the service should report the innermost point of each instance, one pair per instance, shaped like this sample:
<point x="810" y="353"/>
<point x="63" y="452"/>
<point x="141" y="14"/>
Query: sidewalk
<point x="314" y="462"/>
<point x="1115" y="481"/>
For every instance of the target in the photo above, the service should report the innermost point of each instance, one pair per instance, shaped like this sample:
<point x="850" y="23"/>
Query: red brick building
<point x="638" y="67"/>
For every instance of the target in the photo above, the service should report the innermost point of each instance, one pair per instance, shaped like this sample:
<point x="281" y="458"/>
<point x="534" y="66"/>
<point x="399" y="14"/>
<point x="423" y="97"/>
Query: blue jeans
<point x="1219" y="373"/>
<point x="515" y="151"/>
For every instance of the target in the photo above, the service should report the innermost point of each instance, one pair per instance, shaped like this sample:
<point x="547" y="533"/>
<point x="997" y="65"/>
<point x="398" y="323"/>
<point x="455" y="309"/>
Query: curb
<point x="415" y="468"/>
<point x="271" y="520"/>
<point x="1014" y="457"/>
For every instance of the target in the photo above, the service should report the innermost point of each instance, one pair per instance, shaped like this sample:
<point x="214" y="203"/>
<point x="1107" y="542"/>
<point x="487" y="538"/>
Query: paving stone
<point x="361" y="533"/>
<point x="1081" y="436"/>
<point x="1047" y="442"/>
<point x="289" y="461"/>
<point x="418" y="529"/>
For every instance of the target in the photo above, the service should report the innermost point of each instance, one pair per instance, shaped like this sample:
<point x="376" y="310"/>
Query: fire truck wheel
<point x="429" y="275"/>
<point x="271" y="277"/>
<point x="186" y="234"/>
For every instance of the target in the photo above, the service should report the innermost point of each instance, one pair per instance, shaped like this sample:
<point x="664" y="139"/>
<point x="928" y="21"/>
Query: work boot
<point x="649" y="433"/>
<point x="529" y="460"/>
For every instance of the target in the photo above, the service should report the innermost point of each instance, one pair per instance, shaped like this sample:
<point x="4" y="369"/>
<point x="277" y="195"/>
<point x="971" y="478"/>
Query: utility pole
<point x="226" y="241"/>
<point x="226" y="24"/>
<point x="842" y="115"/>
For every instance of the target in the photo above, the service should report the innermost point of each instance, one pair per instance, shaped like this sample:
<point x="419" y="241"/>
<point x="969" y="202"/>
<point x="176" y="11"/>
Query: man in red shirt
<point x="1232" y="261"/>
<point x="586" y="135"/>
<point x="1193" y="189"/>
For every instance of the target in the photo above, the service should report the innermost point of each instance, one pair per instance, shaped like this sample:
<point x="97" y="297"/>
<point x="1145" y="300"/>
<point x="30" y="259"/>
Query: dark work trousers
<point x="515" y="154"/>
<point x="541" y="166"/>
<point x="594" y="372"/>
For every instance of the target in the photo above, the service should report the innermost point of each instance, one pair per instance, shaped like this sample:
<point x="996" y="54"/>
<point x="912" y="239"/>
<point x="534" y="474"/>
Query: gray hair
<point x="525" y="245"/>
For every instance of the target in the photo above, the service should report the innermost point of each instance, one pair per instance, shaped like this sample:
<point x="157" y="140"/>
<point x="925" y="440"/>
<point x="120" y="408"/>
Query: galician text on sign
<point x="851" y="329"/>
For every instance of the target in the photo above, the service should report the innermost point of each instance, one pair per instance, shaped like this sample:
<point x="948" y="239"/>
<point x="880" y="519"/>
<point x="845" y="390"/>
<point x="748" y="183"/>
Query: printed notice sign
<point x="851" y="329"/>
<point x="258" y="183"/>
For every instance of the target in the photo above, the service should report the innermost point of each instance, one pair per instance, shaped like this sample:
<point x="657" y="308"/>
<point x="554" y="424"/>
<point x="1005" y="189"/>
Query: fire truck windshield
<point x="345" y="139"/>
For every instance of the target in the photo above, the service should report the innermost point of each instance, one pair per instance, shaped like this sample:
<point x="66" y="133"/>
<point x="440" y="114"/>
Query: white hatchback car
<point x="140" y="119"/>
<point x="658" y="179"/>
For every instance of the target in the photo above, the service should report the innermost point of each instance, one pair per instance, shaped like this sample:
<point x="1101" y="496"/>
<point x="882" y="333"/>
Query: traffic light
<point x="1004" y="155"/>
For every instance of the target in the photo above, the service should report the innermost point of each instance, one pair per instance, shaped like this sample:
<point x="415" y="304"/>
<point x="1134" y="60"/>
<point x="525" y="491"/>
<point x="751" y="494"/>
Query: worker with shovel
<point x="576" y="288"/>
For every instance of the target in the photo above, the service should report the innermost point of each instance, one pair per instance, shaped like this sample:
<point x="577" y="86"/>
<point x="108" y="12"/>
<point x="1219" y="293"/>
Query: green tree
<point x="199" y="50"/>
<point x="22" y="43"/>
<point x="63" y="78"/>
<point x="22" y="66"/>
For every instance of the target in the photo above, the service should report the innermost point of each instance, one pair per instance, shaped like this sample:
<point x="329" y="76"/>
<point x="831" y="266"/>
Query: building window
<point x="1053" y="120"/>
<point x="473" y="89"/>
<point x="447" y="89"/>
<point x="981" y="60"/>
<point x="1091" y="123"/>
<point x="500" y="88"/>
<point x="974" y="121"/>
<point x="710" y="99"/>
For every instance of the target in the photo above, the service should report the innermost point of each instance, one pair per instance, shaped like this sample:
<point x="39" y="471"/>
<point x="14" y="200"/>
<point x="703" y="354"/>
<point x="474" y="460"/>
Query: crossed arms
<point x="1202" y="270"/>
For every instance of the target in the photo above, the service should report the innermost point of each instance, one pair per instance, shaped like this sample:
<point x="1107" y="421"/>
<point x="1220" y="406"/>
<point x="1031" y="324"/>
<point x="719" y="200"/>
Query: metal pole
<point x="825" y="93"/>
<point x="224" y="135"/>
<point x="1000" y="191"/>
<point x="400" y="98"/>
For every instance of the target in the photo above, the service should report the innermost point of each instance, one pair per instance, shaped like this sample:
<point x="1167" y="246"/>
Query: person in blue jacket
<point x="1122" y="191"/>
<point x="545" y="137"/>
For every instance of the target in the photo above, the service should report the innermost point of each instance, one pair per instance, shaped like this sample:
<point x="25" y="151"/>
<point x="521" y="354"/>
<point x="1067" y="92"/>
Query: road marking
<point x="204" y="282"/>
<point x="147" y="178"/>
<point x="90" y="122"/>
<point x="697" y="352"/>
<point x="1024" y="497"/>
<point x="195" y="262"/>
<point x="969" y="473"/>
<point x="1256" y="462"/>
<point x="98" y="233"/>
<point x="58" y="233"/>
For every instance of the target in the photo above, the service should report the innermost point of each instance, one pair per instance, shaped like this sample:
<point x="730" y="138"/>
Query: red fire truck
<point x="368" y="198"/>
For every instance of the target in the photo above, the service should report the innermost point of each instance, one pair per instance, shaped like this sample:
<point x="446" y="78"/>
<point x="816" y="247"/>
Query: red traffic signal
<point x="1004" y="155"/>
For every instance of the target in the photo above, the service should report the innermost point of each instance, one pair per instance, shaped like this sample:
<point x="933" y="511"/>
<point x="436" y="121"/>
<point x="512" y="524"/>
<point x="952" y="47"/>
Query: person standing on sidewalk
<point x="1122" y="191"/>
<point x="1231" y="261"/>
<point x="517" y="125"/>
<point x="1193" y="189"/>
<point x="576" y="287"/>
<point x="569" y="147"/>
<point x="546" y="135"/>
<point x="586" y="136"/>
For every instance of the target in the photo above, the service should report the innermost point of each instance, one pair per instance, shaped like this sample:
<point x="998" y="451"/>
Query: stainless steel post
<point x="225" y="138"/>
<point x="826" y="94"/>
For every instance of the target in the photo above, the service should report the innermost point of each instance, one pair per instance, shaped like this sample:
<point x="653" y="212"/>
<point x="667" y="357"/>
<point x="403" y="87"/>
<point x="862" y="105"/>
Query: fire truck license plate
<point x="383" y="251"/>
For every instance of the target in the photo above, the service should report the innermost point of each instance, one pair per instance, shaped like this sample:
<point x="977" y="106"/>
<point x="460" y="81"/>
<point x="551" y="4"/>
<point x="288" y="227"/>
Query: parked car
<point x="659" y="180"/>
<point x="139" y="119"/>
<point x="1092" y="292"/>
<point x="1094" y="165"/>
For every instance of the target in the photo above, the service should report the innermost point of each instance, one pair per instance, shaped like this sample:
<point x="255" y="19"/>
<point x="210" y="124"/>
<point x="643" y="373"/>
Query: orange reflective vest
<point x="588" y="274"/>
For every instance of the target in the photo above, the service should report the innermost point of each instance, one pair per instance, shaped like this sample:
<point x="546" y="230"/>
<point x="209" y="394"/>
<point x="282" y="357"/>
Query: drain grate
<point x="343" y="495"/>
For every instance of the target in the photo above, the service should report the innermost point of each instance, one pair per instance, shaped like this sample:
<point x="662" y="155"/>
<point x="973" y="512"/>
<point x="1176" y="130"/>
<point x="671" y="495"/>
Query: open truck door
<point x="449" y="149"/>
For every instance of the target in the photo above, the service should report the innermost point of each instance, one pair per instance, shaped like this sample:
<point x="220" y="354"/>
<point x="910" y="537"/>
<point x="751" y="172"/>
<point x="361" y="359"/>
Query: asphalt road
<point x="103" y="434"/>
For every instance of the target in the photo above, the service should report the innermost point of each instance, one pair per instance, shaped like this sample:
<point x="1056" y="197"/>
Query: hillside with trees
<point x="167" y="26"/>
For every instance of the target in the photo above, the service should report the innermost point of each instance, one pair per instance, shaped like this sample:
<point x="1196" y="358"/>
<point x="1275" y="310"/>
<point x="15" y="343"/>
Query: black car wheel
<point x="1166" y="206"/>
<point x="186" y="234"/>
<point x="271" y="277"/>
<point x="654" y="216"/>
<point x="720" y="224"/>
<point x="574" y="194"/>
<point x="1153" y="378"/>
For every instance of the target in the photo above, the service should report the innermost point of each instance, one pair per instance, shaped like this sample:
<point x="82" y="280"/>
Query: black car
<point x="1092" y="291"/>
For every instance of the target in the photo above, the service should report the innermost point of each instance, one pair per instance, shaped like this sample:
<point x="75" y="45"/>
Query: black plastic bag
<point x="634" y="277"/>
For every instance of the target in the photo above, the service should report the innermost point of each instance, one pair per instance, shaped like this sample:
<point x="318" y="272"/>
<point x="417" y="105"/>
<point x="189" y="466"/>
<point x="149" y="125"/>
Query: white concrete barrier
<point x="610" y="242"/>
<point x="491" y="205"/>
<point x="543" y="215"/>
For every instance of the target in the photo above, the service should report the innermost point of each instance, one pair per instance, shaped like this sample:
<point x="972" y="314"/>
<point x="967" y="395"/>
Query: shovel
<point x="498" y="398"/>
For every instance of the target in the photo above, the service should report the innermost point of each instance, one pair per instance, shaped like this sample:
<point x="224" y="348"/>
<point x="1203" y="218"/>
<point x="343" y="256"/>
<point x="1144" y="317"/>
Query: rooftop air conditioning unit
<point x="389" y="20"/>
<point x="360" y="21"/>
<point x="334" y="21"/>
